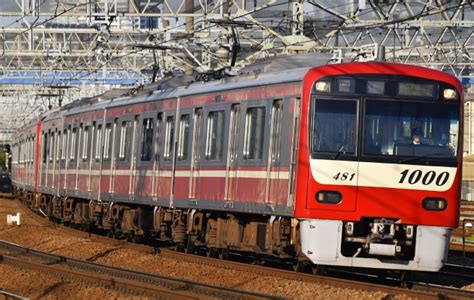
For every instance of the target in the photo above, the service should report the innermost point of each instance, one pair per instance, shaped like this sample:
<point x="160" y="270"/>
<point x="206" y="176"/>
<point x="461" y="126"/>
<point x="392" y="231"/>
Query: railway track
<point x="418" y="289"/>
<point x="133" y="282"/>
<point x="464" y="272"/>
<point x="9" y="296"/>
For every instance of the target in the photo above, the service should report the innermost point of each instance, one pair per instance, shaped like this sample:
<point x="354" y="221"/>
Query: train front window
<point x="335" y="126"/>
<point x="413" y="129"/>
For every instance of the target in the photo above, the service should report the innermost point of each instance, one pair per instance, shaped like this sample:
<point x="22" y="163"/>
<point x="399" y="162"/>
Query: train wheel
<point x="179" y="247"/>
<point x="406" y="278"/>
<point x="137" y="239"/>
<point x="117" y="235"/>
<point x="224" y="253"/>
<point x="190" y="249"/>
<point x="299" y="266"/>
<point x="212" y="252"/>
<point x="317" y="270"/>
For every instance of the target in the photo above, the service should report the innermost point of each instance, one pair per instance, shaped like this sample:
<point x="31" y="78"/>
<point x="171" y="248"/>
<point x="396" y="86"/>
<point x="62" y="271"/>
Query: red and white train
<point x="355" y="164"/>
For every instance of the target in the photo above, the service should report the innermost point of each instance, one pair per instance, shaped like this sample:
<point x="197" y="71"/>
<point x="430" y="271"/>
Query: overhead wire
<point x="208" y="27"/>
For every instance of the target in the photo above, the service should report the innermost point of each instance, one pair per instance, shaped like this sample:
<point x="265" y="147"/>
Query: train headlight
<point x="328" y="197"/>
<point x="436" y="204"/>
<point x="450" y="94"/>
<point x="349" y="228"/>
<point x="409" y="231"/>
<point x="322" y="86"/>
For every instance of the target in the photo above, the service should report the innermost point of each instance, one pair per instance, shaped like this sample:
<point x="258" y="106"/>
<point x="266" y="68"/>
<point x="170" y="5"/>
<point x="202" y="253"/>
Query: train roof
<point x="276" y="70"/>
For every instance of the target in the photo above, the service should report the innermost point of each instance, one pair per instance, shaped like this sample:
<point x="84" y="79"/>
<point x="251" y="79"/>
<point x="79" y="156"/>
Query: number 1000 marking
<point x="426" y="179"/>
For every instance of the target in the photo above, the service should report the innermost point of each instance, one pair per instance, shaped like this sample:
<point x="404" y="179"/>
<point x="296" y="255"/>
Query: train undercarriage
<point x="370" y="243"/>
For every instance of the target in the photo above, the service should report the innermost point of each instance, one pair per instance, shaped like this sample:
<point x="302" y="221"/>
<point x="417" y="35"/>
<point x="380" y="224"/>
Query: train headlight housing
<point x="322" y="86"/>
<point x="436" y="204"/>
<point x="450" y="94"/>
<point x="409" y="231"/>
<point x="349" y="228"/>
<point x="328" y="197"/>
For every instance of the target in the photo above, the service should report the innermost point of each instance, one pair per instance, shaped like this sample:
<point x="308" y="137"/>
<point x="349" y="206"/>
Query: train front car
<point x="379" y="166"/>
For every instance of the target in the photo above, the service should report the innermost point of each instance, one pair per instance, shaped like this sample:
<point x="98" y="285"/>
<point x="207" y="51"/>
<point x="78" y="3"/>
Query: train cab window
<point x="215" y="135"/>
<point x="107" y="142"/>
<point x="169" y="139"/>
<point x="183" y="137"/>
<point x="125" y="141"/>
<point x="419" y="129"/>
<point x="254" y="134"/>
<point x="335" y="126"/>
<point x="98" y="141"/>
<point x="147" y="139"/>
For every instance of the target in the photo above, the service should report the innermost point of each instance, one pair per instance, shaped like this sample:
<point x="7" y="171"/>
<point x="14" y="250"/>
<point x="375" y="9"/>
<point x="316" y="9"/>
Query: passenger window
<point x="159" y="128"/>
<point x="51" y="147"/>
<point x="80" y="142"/>
<point x="277" y="120"/>
<point x="215" y="135"/>
<point x="98" y="141"/>
<point x="147" y="139"/>
<point x="72" y="152"/>
<point x="58" y="146"/>
<point x="254" y="133"/>
<point x="125" y="141"/>
<point x="169" y="138"/>
<point x="85" y="144"/>
<point x="45" y="148"/>
<point x="66" y="134"/>
<point x="183" y="137"/>
<point x="107" y="141"/>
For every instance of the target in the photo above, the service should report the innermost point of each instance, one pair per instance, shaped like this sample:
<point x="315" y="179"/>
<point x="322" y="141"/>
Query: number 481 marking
<point x="343" y="176"/>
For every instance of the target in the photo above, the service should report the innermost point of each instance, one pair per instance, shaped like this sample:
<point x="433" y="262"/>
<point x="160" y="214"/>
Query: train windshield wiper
<point x="412" y="159"/>
<point x="338" y="152"/>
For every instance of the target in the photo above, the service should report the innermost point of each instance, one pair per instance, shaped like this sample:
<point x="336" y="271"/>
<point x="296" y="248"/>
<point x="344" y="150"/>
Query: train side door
<point x="274" y="183"/>
<point x="232" y="152"/>
<point x="156" y="187"/>
<point x="51" y="171"/>
<point x="65" y="158"/>
<point x="44" y="154"/>
<point x="113" y="156"/>
<point x="133" y="159"/>
<point x="196" y="152"/>
<point x="333" y="163"/>
<point x="56" y="158"/>
<point x="144" y="158"/>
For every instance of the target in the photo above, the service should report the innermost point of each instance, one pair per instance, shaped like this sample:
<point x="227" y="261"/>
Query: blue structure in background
<point x="467" y="80"/>
<point x="71" y="78"/>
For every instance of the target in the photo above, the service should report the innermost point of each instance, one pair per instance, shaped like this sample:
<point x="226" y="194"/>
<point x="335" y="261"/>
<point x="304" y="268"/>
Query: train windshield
<point x="411" y="129"/>
<point x="335" y="126"/>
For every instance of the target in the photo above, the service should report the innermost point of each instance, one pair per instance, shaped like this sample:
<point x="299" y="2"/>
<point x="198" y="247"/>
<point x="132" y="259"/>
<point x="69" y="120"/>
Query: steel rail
<point x="117" y="278"/>
<point x="97" y="279"/>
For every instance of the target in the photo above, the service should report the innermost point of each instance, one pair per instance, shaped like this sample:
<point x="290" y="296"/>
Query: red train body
<point x="354" y="164"/>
